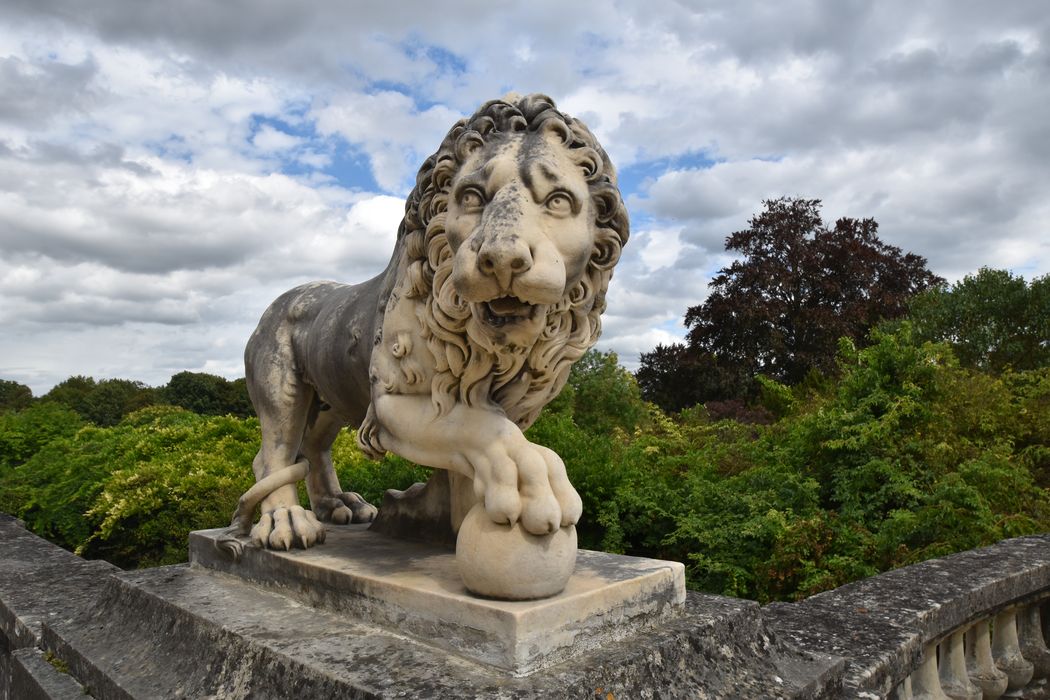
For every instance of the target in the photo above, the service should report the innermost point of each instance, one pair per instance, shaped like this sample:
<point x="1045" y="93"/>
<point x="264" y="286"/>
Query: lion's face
<point x="521" y="227"/>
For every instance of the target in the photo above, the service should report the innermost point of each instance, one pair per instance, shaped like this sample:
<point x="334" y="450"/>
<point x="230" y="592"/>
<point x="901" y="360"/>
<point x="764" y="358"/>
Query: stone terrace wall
<point x="885" y="629"/>
<point x="39" y="582"/>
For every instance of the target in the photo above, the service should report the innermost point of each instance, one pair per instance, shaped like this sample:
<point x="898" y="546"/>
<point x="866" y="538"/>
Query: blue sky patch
<point x="639" y="175"/>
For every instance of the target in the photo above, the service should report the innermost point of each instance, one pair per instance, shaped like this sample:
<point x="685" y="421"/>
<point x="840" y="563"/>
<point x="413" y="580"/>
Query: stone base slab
<point x="415" y="589"/>
<point x="190" y="632"/>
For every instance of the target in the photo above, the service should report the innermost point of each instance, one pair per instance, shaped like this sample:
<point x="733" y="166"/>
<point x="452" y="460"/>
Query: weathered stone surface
<point x="38" y="582"/>
<point x="34" y="678"/>
<point x="882" y="624"/>
<point x="422" y="512"/>
<point x="415" y="589"/>
<point x="509" y="562"/>
<point x="190" y="632"/>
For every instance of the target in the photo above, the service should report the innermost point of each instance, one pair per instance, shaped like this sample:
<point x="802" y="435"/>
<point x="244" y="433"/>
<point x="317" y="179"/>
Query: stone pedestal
<point x="415" y="589"/>
<point x="321" y="627"/>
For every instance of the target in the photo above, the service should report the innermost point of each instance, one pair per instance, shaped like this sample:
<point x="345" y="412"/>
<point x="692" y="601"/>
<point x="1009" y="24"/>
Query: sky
<point x="168" y="168"/>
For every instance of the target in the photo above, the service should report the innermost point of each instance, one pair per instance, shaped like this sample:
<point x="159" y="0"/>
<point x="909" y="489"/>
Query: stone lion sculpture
<point x="495" y="287"/>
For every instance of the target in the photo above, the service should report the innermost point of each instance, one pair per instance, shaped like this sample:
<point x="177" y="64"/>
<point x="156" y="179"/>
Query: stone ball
<point x="508" y="563"/>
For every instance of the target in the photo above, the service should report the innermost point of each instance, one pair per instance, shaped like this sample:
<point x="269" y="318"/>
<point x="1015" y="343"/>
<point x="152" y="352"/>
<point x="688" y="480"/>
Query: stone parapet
<point x="190" y="631"/>
<point x="964" y="626"/>
<point x="39" y="582"/>
<point x="888" y="626"/>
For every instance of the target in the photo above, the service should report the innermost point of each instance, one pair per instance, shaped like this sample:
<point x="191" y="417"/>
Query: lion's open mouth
<point x="500" y="312"/>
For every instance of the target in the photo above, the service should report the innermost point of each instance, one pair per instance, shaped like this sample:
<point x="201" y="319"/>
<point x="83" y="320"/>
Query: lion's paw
<point x="284" y="528"/>
<point x="345" y="508"/>
<point x="526" y="482"/>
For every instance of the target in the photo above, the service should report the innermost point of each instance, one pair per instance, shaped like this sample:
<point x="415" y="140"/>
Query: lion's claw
<point x="526" y="483"/>
<point x="284" y="528"/>
<point x="344" y="508"/>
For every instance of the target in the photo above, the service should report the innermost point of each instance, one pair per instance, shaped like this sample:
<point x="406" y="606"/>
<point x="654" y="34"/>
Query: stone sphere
<point x="509" y="563"/>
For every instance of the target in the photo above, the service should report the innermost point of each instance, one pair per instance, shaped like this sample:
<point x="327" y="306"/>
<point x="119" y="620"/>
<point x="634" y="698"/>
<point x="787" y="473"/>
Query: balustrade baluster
<point x="1033" y="645"/>
<point x="902" y="691"/>
<point x="980" y="665"/>
<point x="925" y="683"/>
<point x="951" y="666"/>
<point x="1006" y="651"/>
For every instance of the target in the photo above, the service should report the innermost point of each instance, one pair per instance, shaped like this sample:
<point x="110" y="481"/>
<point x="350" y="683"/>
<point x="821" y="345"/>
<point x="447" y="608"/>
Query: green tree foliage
<point x="797" y="287"/>
<point x="678" y="376"/>
<point x="23" y="433"/>
<point x="208" y="394"/>
<point x="131" y="493"/>
<point x="904" y="455"/>
<point x="602" y="395"/>
<point x="368" y="477"/>
<point x="14" y="396"/>
<point x="102" y="402"/>
<point x="992" y="319"/>
<point x="916" y="456"/>
<point x="1030" y="404"/>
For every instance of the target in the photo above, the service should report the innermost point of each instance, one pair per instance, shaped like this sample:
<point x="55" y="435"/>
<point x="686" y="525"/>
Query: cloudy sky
<point x="168" y="168"/>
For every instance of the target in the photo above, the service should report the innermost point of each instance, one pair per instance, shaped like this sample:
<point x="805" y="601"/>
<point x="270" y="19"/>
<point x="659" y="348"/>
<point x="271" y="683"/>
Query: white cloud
<point x="268" y="138"/>
<point x="390" y="130"/>
<point x="164" y="174"/>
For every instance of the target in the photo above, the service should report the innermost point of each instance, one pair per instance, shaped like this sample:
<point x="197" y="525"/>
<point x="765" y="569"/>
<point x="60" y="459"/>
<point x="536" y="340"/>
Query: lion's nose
<point x="504" y="258"/>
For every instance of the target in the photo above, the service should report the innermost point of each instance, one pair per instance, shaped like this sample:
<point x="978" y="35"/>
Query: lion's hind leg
<point x="283" y="408"/>
<point x="327" y="498"/>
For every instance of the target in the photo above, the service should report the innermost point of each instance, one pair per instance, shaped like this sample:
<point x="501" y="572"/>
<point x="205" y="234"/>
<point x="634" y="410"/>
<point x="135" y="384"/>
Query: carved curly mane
<point x="470" y="369"/>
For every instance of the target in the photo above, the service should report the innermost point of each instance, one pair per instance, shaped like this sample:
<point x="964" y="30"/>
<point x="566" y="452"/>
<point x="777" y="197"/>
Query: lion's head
<point x="509" y="239"/>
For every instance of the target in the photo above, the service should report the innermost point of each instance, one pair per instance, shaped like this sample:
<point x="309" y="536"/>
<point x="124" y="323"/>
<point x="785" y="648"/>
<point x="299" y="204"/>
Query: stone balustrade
<point x="965" y="627"/>
<point x="1001" y="655"/>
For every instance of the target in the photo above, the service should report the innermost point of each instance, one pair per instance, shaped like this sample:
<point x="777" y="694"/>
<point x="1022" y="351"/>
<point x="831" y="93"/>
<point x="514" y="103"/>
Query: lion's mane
<point x="468" y="368"/>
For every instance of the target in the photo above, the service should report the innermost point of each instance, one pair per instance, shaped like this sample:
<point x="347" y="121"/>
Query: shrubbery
<point x="905" y="456"/>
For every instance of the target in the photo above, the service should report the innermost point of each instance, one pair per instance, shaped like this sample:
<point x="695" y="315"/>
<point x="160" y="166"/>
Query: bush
<point x="24" y="433"/>
<point x="132" y="493"/>
<point x="902" y="456"/>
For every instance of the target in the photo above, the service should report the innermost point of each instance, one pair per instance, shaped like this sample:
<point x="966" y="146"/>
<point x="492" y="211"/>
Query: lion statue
<point x="495" y="287"/>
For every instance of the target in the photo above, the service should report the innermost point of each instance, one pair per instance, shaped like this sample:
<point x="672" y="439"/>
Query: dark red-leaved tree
<point x="798" y="287"/>
<point x="780" y="308"/>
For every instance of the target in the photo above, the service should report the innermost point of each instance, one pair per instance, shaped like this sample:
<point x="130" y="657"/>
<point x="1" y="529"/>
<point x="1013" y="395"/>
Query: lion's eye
<point x="471" y="199"/>
<point x="559" y="203"/>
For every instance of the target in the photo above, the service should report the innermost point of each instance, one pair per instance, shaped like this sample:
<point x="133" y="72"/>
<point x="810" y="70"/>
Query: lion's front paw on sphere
<point x="509" y="563"/>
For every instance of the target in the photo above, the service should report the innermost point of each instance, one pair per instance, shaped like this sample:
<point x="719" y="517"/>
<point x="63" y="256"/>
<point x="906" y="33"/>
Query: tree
<point x="104" y="402"/>
<point x="23" y="433"/>
<point x="677" y="376"/>
<point x="14" y="396"/>
<point x="993" y="320"/>
<point x="798" y="287"/>
<point x="604" y="394"/>
<point x="208" y="394"/>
